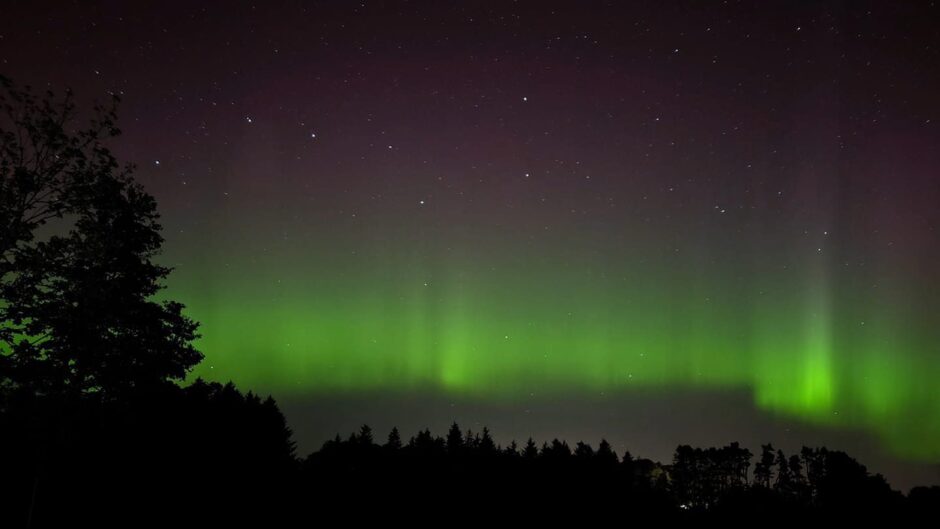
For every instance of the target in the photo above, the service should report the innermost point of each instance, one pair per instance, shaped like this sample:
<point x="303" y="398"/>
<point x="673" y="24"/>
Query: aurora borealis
<point x="507" y="202"/>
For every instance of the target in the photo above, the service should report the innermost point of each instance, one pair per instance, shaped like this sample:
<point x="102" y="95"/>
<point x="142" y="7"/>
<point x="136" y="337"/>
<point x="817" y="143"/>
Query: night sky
<point x="695" y="222"/>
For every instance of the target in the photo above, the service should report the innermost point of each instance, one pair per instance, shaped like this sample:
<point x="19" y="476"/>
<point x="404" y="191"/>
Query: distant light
<point x="248" y="119"/>
<point x="156" y="162"/>
<point x="524" y="98"/>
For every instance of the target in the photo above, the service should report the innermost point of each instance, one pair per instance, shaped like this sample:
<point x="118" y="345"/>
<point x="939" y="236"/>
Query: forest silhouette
<point x="99" y="423"/>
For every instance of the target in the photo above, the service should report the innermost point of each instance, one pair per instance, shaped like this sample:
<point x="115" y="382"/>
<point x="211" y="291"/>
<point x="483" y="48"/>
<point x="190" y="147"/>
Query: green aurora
<point x="592" y="320"/>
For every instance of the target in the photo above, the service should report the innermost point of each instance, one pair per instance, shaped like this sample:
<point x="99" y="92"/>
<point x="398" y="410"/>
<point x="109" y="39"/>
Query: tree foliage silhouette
<point x="711" y="481"/>
<point x="763" y="470"/>
<point x="454" y="439"/>
<point x="78" y="237"/>
<point x="394" y="440"/>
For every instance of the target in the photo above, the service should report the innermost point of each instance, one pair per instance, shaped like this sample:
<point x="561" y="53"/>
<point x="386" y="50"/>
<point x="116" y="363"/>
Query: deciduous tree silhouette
<point x="77" y="308"/>
<point x="784" y="479"/>
<point x="763" y="470"/>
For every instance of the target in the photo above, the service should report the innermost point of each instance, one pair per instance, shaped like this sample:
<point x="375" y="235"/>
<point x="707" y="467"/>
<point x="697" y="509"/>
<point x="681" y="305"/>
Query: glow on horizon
<point x="507" y="335"/>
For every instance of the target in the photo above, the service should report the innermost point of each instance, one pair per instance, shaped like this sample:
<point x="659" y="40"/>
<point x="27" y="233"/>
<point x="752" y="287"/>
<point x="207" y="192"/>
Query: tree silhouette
<point x="365" y="435"/>
<point x="77" y="314"/>
<point x="394" y="439"/>
<point x="798" y="485"/>
<point x="485" y="443"/>
<point x="784" y="481"/>
<point x="471" y="439"/>
<point x="763" y="470"/>
<point x="814" y="464"/>
<point x="557" y="450"/>
<point x="530" y="451"/>
<point x="454" y="439"/>
<point x="583" y="451"/>
<point x="606" y="454"/>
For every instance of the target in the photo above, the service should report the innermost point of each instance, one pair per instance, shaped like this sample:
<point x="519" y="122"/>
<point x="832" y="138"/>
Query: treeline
<point x="705" y="481"/>
<point x="163" y="454"/>
<point x="209" y="452"/>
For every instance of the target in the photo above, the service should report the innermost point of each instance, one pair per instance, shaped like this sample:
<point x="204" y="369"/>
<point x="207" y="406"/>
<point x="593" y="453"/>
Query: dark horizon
<point x="645" y="428"/>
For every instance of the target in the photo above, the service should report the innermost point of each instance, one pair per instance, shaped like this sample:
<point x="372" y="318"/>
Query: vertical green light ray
<point x="520" y="327"/>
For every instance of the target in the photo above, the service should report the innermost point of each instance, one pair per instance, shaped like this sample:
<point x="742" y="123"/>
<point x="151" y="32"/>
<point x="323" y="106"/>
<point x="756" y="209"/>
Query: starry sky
<point x="656" y="222"/>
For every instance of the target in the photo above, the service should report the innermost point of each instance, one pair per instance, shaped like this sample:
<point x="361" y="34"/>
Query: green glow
<point x="536" y="323"/>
